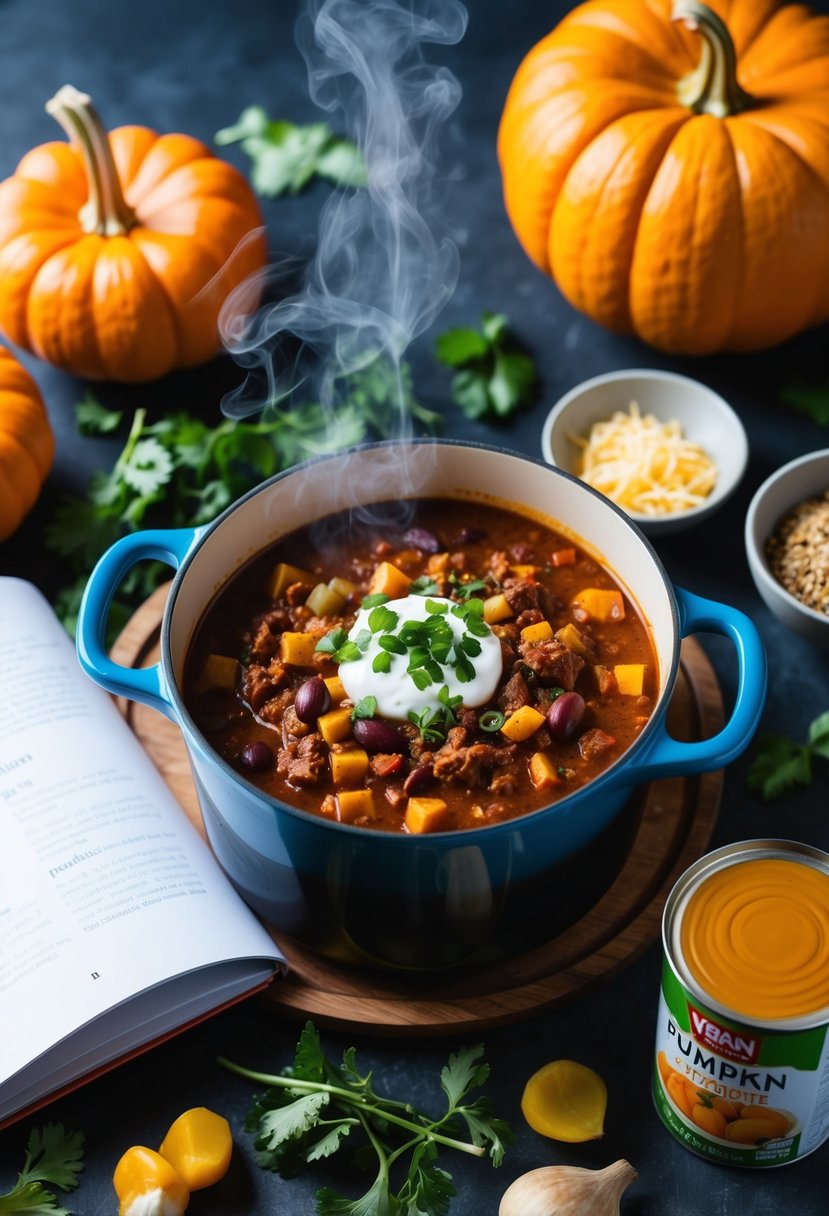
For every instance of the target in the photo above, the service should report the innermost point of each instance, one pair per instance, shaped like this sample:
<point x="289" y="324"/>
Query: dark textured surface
<point x="193" y="67"/>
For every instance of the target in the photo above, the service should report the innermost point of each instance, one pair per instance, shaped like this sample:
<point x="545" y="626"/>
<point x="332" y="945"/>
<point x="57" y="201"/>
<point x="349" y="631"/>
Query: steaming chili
<point x="269" y="673"/>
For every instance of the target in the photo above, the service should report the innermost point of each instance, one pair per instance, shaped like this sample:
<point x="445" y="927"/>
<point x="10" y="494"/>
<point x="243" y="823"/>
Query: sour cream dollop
<point x="395" y="691"/>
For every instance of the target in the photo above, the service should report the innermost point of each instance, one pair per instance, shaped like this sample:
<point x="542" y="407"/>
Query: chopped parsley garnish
<point x="366" y="707"/>
<point x="424" y="585"/>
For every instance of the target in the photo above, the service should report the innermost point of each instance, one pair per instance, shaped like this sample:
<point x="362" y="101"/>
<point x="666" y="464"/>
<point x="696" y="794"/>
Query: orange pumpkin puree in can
<point x="741" y="1072"/>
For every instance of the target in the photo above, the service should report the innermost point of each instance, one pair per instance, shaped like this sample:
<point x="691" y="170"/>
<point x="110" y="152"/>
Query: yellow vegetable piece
<point x="425" y="814"/>
<point x="297" y="649"/>
<point x="630" y="677"/>
<point x="523" y="571"/>
<point x="342" y="586"/>
<point x="544" y="772"/>
<point x="148" y="1185"/>
<point x="349" y="765"/>
<point x="282" y="577"/>
<point x="335" y="725"/>
<point x="336" y="689"/>
<point x="219" y="671"/>
<point x="565" y="1101"/>
<point x="388" y="580"/>
<point x="496" y="608"/>
<point x="523" y="723"/>
<point x="600" y="604"/>
<point x="351" y="804"/>
<point x="325" y="601"/>
<point x="537" y="633"/>
<point x="569" y="636"/>
<point x="198" y="1146"/>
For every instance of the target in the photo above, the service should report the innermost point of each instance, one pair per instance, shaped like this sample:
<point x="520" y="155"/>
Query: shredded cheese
<point x="645" y="465"/>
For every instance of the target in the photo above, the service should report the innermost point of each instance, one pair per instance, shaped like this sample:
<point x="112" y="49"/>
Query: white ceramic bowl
<point x="704" y="416"/>
<point x="805" y="477"/>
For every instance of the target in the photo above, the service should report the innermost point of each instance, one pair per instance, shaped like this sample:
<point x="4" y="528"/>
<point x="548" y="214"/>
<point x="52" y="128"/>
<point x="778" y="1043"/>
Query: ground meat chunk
<point x="552" y="662"/>
<point x="467" y="717"/>
<point x="292" y="725"/>
<point x="266" y="631"/>
<point x="595" y="743"/>
<point x="395" y="796"/>
<point x="385" y="765"/>
<point x="515" y="693"/>
<point x="262" y="683"/>
<point x="303" y="761"/>
<point x="468" y="764"/>
<point x="530" y="616"/>
<point x="523" y="594"/>
<point x="297" y="593"/>
<point x="499" y="565"/>
<point x="275" y="707"/>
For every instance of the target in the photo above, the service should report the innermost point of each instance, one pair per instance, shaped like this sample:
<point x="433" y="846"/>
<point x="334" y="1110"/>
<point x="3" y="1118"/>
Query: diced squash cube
<point x="349" y="765"/>
<point x="563" y="557"/>
<point x="388" y="580"/>
<point x="425" y="814"/>
<point x="496" y="608"/>
<point x="437" y="564"/>
<point x="538" y="632"/>
<point x="282" y="577"/>
<point x="630" y="677"/>
<point x="601" y="604"/>
<point x="335" y="726"/>
<point x="297" y="649"/>
<point x="324" y="602"/>
<point x="570" y="637"/>
<point x="336" y="689"/>
<point x="523" y="723"/>
<point x="352" y="804"/>
<point x="219" y="671"/>
<point x="524" y="571"/>
<point x="544" y="772"/>
<point x="342" y="587"/>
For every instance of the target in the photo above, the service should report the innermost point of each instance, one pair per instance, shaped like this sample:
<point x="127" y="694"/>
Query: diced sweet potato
<point x="570" y="637"/>
<point x="496" y="608"/>
<point x="523" y="723"/>
<point x="538" y="632"/>
<point x="297" y="649"/>
<point x="324" y="601"/>
<point x="630" y="678"/>
<point x="544" y="772"/>
<point x="388" y="580"/>
<point x="352" y="804"/>
<point x="426" y="814"/>
<point x="219" y="671"/>
<point x="563" y="557"/>
<point x="342" y="586"/>
<point x="349" y="765"/>
<point x="335" y="726"/>
<point x="336" y="689"/>
<point x="282" y="577"/>
<point x="601" y="604"/>
<point x="524" y="571"/>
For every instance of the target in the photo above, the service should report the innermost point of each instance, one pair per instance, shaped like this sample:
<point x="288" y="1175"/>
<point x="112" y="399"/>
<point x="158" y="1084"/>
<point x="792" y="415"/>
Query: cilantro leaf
<point x="812" y="400"/>
<point x="53" y="1156"/>
<point x="780" y="765"/>
<point x="491" y="378"/>
<point x="286" y="157"/>
<point x="91" y="418"/>
<point x="463" y="1072"/>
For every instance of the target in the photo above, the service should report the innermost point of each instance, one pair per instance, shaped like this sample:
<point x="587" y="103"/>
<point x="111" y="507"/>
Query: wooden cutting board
<point x="678" y="819"/>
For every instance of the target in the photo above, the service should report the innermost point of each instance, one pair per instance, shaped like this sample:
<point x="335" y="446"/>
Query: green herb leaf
<point x="812" y="400"/>
<point x="371" y="601"/>
<point x="382" y="620"/>
<point x="491" y="378"/>
<point x="53" y="1157"/>
<point x="286" y="157"/>
<point x="366" y="707"/>
<point x="424" y="585"/>
<point x="91" y="418"/>
<point x="779" y="766"/>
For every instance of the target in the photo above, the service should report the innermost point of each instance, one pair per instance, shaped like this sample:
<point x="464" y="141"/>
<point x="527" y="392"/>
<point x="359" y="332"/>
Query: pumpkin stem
<point x="711" y="88"/>
<point x="106" y="211"/>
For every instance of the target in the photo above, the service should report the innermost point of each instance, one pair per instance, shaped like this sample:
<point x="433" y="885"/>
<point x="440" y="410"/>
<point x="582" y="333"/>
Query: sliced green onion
<point x="492" y="720"/>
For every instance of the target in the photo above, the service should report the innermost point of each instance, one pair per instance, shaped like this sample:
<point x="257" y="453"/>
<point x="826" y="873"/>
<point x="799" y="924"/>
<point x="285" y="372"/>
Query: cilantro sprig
<point x="313" y="1108"/>
<point x="54" y="1158"/>
<point x="809" y="399"/>
<point x="781" y="763"/>
<point x="285" y="157"/>
<point x="492" y="378"/>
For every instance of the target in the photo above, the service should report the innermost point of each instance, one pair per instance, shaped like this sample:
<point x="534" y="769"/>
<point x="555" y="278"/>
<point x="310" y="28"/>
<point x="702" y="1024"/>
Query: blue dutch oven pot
<point x="395" y="900"/>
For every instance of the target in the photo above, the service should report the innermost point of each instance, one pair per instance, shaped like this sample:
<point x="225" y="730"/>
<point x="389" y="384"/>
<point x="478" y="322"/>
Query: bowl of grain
<point x="787" y="544"/>
<point x="665" y="448"/>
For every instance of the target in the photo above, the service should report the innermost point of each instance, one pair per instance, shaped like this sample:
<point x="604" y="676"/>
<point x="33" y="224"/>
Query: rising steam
<point x="383" y="267"/>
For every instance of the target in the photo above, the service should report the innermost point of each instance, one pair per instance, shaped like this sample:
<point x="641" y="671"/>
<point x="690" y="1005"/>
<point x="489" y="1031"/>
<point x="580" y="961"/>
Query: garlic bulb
<point x="568" y="1190"/>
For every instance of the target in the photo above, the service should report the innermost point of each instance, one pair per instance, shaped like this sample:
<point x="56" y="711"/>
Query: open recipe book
<point x="117" y="926"/>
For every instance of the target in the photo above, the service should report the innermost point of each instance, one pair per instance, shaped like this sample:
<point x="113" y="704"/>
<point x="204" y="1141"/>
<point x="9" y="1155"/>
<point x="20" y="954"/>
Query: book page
<point x="106" y="888"/>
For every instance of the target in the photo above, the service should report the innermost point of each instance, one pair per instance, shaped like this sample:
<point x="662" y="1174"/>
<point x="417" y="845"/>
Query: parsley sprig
<point x="285" y="157"/>
<point x="315" y="1106"/>
<point x="53" y="1157"/>
<point x="492" y="378"/>
<point x="781" y="763"/>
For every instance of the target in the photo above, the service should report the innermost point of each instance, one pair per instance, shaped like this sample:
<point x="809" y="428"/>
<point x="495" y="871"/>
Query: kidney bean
<point x="565" y="715"/>
<point x="256" y="757"/>
<point x="312" y="699"/>
<point x="469" y="536"/>
<point x="375" y="735"/>
<point x="418" y="780"/>
<point x="422" y="538"/>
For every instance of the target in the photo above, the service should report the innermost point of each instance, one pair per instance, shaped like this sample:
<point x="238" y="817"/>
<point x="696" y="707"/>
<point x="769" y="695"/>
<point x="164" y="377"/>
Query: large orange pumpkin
<point x="27" y="445"/>
<point x="669" y="167"/>
<point x="117" y="253"/>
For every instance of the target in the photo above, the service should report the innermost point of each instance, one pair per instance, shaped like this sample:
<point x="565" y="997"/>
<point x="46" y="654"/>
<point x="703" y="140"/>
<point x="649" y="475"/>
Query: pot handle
<point x="669" y="757"/>
<point x="145" y="684"/>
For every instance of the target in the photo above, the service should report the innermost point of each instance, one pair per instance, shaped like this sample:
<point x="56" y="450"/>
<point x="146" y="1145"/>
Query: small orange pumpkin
<point x="27" y="445"/>
<point x="669" y="167"/>
<point x="117" y="252"/>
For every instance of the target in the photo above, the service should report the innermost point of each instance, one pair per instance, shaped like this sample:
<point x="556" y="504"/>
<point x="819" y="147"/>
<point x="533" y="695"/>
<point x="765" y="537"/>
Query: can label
<point x="736" y="1093"/>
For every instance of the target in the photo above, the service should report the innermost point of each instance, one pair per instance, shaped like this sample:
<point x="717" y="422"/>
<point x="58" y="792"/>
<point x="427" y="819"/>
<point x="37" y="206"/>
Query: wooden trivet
<point x="676" y="825"/>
